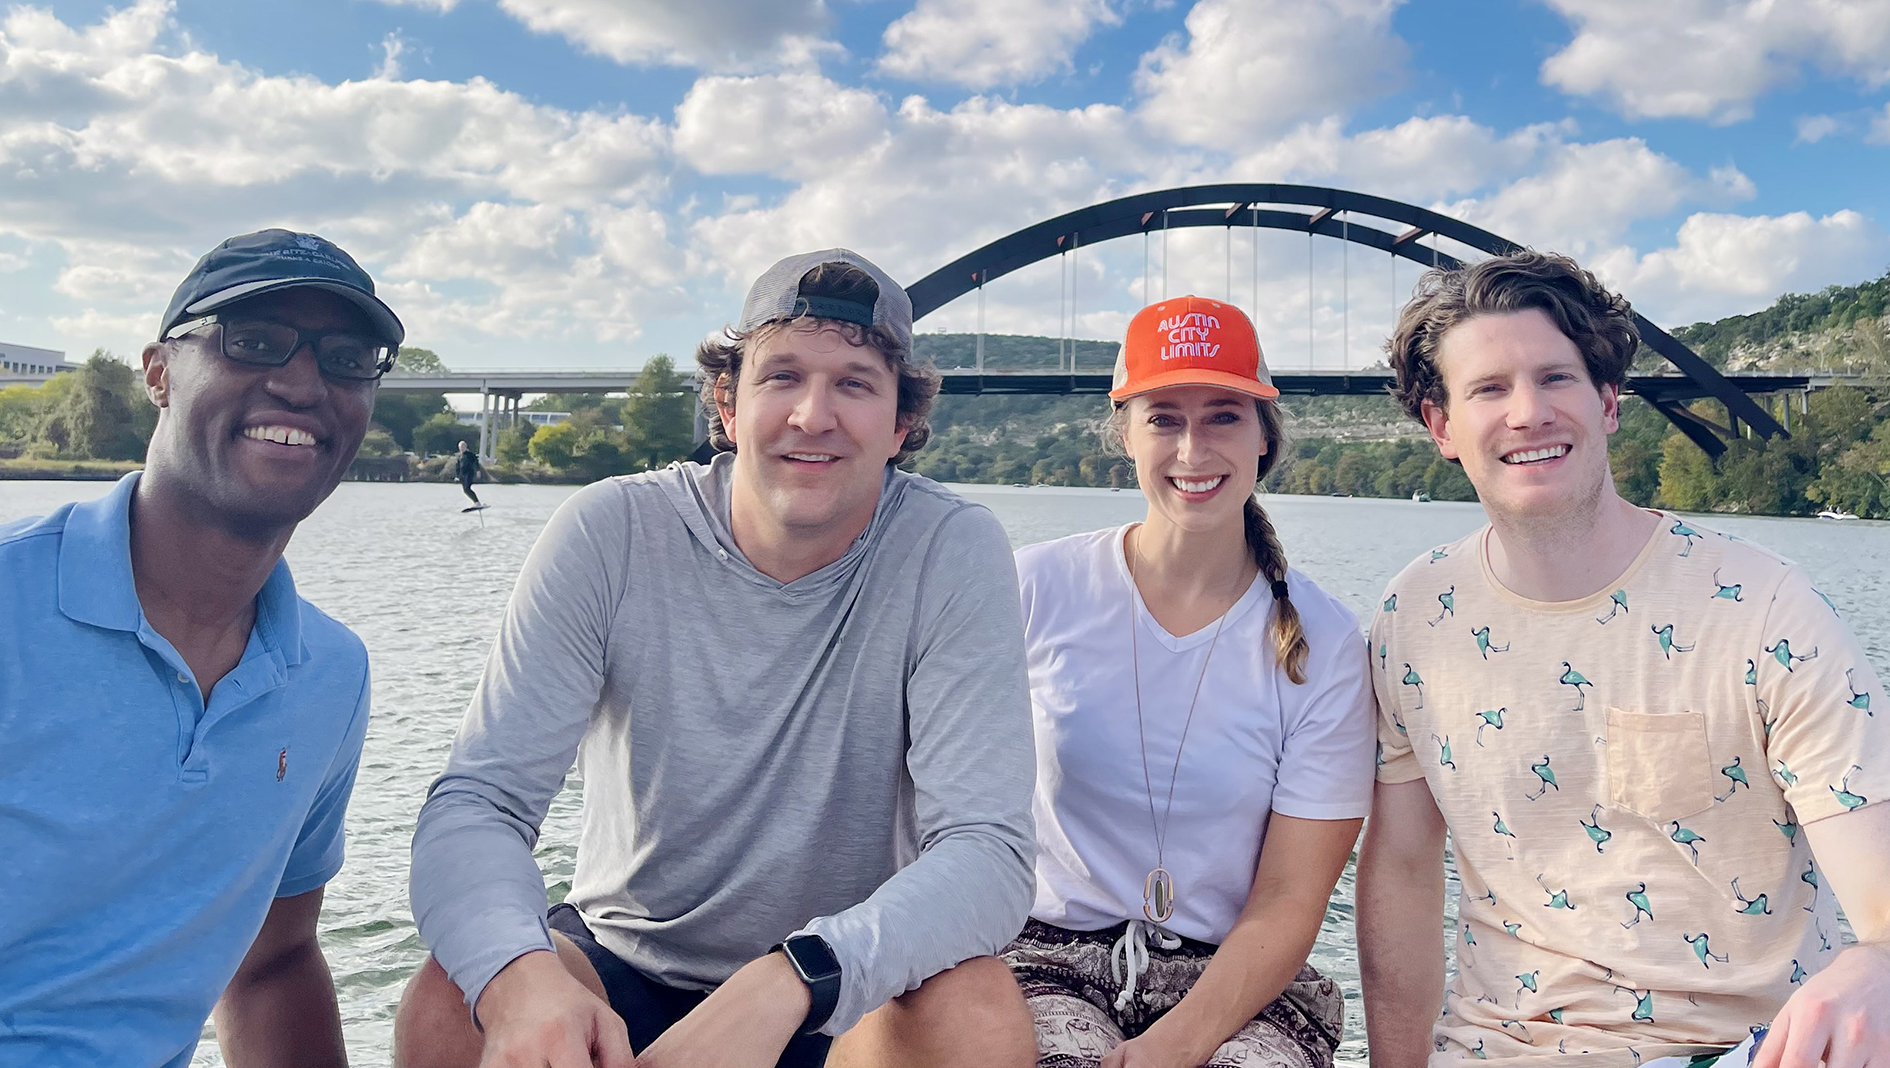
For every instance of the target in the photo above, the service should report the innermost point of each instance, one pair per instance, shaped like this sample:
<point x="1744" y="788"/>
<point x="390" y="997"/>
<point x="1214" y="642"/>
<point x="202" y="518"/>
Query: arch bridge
<point x="1403" y="230"/>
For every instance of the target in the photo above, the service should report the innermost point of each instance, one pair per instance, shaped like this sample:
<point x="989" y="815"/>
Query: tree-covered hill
<point x="1800" y="331"/>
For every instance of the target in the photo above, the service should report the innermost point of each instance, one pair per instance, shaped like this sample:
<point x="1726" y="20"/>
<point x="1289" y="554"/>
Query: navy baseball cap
<point x="271" y="260"/>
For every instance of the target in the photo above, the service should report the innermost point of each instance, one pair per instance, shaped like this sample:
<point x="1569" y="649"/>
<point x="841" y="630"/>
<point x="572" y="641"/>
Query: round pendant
<point x="1158" y="896"/>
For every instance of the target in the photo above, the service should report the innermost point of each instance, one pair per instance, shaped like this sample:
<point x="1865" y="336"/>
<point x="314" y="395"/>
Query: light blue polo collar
<point x="96" y="585"/>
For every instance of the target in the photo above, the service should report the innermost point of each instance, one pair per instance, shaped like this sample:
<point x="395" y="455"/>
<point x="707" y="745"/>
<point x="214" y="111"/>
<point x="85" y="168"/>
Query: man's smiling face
<point x="1524" y="417"/>
<point x="814" y="418"/>
<point x="261" y="446"/>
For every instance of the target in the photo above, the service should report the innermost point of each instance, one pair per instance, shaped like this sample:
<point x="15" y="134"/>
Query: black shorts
<point x="648" y="1007"/>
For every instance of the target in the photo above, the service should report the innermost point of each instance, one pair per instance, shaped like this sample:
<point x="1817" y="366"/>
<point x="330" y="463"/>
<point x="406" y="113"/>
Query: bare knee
<point x="979" y="985"/>
<point x="971" y="1014"/>
<point x="432" y="1028"/>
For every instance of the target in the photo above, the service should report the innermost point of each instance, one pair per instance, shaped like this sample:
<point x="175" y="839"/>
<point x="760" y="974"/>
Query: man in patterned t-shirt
<point x="1656" y="749"/>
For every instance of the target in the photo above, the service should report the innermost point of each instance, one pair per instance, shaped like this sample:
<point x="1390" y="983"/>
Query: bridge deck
<point x="965" y="381"/>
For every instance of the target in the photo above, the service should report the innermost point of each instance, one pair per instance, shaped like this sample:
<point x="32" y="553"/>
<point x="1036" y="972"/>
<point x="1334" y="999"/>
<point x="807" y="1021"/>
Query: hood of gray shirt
<point x="701" y="495"/>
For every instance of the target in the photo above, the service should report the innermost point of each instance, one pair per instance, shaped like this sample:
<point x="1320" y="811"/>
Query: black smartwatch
<point x="815" y="963"/>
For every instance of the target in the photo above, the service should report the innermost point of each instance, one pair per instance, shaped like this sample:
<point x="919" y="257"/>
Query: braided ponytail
<point x="1289" y="635"/>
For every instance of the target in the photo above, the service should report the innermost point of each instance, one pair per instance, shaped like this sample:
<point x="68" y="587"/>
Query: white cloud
<point x="132" y="154"/>
<point x="1419" y="160"/>
<point x="912" y="201"/>
<point x="1710" y="59"/>
<point x="1815" y="128"/>
<point x="1250" y="69"/>
<point x="790" y="125"/>
<point x="716" y="34"/>
<point x="1583" y="197"/>
<point x="393" y="46"/>
<point x="987" y="43"/>
<point x="539" y="271"/>
<point x="1725" y="264"/>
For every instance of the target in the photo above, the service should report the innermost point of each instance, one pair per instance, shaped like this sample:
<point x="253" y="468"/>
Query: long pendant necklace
<point x="1158" y="890"/>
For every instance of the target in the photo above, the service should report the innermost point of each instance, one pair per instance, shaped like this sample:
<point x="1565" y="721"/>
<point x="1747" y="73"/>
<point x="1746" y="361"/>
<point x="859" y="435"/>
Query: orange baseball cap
<point x="1191" y="341"/>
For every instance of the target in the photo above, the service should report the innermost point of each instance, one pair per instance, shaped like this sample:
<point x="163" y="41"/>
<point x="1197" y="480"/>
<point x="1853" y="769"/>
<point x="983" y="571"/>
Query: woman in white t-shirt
<point x="1204" y="726"/>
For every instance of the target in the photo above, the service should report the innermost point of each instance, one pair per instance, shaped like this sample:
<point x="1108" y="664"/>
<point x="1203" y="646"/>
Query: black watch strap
<point x="815" y="963"/>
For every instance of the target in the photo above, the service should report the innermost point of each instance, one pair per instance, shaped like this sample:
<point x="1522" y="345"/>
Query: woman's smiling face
<point x="1197" y="452"/>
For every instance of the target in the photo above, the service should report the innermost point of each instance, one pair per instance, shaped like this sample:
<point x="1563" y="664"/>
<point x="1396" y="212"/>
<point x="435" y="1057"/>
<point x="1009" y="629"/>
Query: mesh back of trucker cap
<point x="776" y="295"/>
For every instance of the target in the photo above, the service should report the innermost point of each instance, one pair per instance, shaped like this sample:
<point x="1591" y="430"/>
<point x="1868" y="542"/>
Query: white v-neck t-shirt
<point x="1258" y="744"/>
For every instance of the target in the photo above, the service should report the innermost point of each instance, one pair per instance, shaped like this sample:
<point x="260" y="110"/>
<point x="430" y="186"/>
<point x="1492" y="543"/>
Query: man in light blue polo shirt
<point x="178" y="730"/>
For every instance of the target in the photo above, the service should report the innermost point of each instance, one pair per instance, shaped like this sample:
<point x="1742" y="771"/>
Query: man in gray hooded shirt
<point x="793" y="680"/>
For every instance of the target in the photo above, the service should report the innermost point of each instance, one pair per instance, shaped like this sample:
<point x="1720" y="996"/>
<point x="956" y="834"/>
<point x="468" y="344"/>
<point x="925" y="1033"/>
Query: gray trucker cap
<point x="776" y="295"/>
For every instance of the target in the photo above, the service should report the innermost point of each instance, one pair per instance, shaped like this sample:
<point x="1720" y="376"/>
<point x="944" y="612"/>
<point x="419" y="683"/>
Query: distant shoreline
<point x="66" y="470"/>
<point x="21" y="470"/>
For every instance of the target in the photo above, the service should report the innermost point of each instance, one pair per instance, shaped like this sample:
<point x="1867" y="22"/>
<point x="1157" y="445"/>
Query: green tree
<point x="401" y="413"/>
<point x="21" y="409"/>
<point x="658" y="416"/>
<point x="98" y="420"/>
<point x="377" y="443"/>
<point x="1445" y="481"/>
<point x="414" y="360"/>
<point x="1687" y="479"/>
<point x="441" y="433"/>
<point x="1010" y="471"/>
<point x="556" y="446"/>
<point x="515" y="444"/>
<point x="1855" y="482"/>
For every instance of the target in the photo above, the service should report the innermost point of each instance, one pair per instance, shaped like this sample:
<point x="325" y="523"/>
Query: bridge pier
<point x="485" y="422"/>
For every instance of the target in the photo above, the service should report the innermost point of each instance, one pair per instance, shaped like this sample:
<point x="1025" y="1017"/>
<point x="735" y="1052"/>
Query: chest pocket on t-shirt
<point x="1659" y="766"/>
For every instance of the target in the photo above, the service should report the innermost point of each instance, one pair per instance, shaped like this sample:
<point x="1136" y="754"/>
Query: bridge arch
<point x="1313" y="210"/>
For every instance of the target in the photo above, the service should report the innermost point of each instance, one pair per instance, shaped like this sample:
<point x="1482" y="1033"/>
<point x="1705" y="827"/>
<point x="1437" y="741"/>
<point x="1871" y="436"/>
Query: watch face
<point x="812" y="958"/>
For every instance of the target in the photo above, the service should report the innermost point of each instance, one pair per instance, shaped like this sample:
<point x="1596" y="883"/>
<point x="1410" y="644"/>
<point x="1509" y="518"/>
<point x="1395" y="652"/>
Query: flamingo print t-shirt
<point x="1626" y="779"/>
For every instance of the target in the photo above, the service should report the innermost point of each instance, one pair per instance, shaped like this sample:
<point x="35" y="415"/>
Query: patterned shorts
<point x="1066" y="978"/>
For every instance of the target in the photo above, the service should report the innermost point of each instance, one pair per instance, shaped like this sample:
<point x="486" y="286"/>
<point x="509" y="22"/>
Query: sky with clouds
<point x="582" y="183"/>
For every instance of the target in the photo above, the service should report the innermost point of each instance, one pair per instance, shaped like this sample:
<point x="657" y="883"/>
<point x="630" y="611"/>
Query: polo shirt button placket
<point x="195" y="768"/>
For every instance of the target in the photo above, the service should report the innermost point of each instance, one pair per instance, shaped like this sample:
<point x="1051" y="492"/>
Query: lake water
<point x="424" y="585"/>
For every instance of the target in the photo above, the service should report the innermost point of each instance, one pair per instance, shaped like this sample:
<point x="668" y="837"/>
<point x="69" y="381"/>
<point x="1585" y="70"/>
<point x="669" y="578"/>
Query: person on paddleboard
<point x="466" y="465"/>
<point x="793" y="681"/>
<point x="1204" y="724"/>
<point x="182" y="729"/>
<point x="1654" y="748"/>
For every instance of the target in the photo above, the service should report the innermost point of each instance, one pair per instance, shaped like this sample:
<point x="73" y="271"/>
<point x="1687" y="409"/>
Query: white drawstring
<point x="1130" y="955"/>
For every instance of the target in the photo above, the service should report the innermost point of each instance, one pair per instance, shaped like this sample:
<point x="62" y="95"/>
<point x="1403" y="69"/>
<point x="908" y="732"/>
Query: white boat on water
<point x="1839" y="514"/>
<point x="1421" y="497"/>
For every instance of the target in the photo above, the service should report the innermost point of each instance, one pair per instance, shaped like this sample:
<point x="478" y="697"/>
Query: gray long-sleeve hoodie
<point x="848" y="755"/>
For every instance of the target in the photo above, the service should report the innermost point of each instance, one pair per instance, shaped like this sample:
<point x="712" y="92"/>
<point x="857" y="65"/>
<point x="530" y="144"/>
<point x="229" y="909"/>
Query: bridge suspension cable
<point x="1345" y="294"/>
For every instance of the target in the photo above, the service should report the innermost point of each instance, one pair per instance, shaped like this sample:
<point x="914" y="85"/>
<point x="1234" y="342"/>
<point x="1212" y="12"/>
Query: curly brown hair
<point x="719" y="359"/>
<point x="1598" y="321"/>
